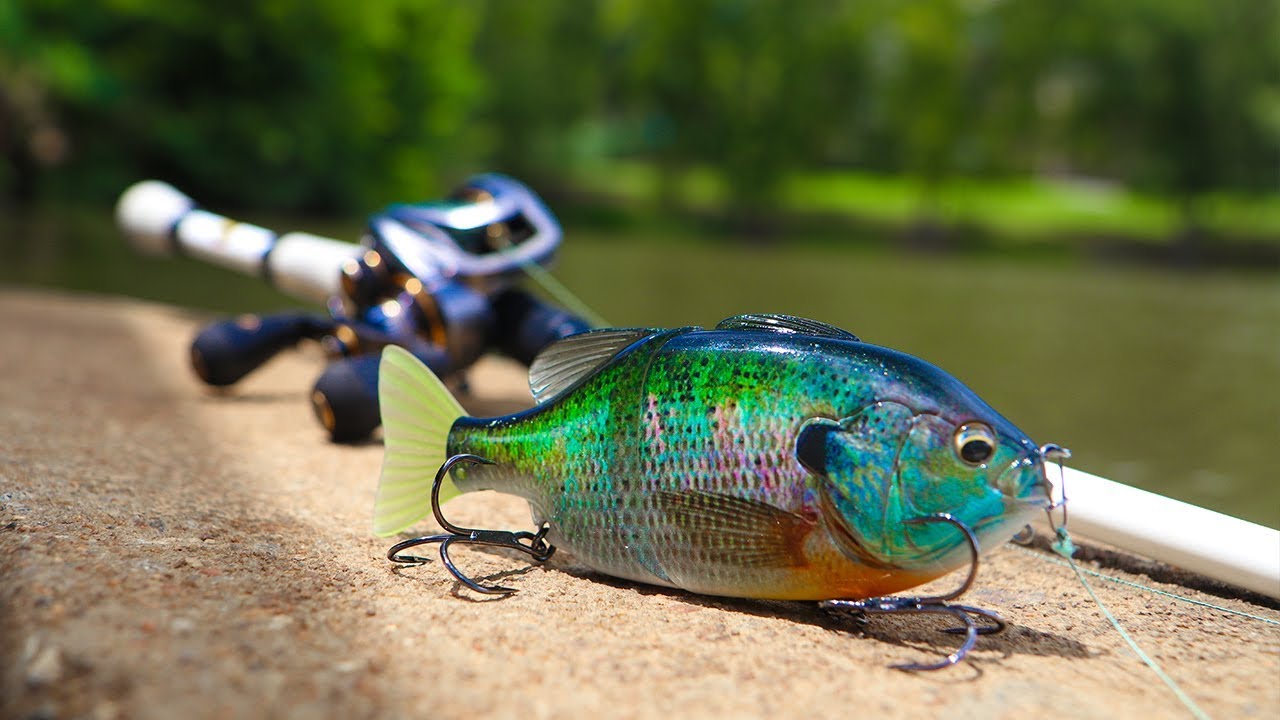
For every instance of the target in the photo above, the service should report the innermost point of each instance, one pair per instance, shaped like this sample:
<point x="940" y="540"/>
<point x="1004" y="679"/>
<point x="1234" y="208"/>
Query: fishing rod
<point x="436" y="278"/>
<point x="1218" y="546"/>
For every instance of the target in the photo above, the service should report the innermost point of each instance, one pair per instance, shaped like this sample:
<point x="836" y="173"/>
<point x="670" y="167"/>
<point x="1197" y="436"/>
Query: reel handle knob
<point x="226" y="351"/>
<point x="345" y="397"/>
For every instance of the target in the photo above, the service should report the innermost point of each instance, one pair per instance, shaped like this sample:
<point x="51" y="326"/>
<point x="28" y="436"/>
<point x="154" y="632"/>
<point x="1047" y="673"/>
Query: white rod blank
<point x="1210" y="543"/>
<point x="310" y="266"/>
<point x="221" y="241"/>
<point x="158" y="218"/>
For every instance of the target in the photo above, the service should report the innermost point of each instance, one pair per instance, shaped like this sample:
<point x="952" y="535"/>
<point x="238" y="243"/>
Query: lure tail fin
<point x="417" y="412"/>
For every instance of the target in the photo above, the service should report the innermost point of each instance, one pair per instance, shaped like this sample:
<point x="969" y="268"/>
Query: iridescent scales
<point x="770" y="457"/>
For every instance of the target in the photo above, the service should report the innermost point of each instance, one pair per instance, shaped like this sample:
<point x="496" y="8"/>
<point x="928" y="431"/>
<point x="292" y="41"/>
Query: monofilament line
<point x="557" y="290"/>
<point x="1146" y="588"/>
<point x="1064" y="547"/>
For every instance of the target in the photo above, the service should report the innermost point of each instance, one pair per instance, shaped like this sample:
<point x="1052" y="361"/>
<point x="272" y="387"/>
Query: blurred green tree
<point x="338" y="107"/>
<point x="755" y="90"/>
<point x="1159" y="95"/>
<point x="319" y="105"/>
<point x="544" y="68"/>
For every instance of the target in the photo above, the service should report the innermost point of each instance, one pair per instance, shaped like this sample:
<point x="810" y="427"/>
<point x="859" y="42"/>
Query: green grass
<point x="1030" y="210"/>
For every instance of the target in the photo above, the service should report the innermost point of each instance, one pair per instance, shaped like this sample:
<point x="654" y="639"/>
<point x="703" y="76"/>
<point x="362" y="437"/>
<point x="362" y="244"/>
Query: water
<point x="1160" y="379"/>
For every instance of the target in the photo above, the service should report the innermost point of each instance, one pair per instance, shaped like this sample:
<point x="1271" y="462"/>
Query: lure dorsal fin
<point x="565" y="362"/>
<point x="769" y="322"/>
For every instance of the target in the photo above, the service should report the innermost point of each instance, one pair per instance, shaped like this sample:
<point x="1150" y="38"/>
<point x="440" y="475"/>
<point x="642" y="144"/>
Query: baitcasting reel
<point x="437" y="278"/>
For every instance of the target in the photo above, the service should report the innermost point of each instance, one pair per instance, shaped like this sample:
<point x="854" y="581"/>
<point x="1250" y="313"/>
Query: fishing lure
<point x="770" y="457"/>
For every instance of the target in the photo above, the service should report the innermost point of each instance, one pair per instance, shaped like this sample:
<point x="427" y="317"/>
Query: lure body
<point x="770" y="457"/>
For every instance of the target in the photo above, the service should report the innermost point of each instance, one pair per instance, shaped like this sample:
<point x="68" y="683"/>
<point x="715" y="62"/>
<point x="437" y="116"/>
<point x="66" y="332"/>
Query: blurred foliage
<point x="337" y="107"/>
<point x="315" y="104"/>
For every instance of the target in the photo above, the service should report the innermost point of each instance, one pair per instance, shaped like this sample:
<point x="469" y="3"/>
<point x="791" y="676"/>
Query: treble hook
<point x="937" y="604"/>
<point x="536" y="546"/>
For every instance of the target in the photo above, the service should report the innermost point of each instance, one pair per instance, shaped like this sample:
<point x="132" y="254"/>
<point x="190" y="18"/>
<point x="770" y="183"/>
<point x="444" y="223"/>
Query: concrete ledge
<point x="166" y="551"/>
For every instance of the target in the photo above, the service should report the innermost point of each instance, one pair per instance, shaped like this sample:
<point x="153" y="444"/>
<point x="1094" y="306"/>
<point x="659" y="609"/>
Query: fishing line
<point x="1147" y="588"/>
<point x="555" y="288"/>
<point x="1064" y="547"/>
<point x="562" y="294"/>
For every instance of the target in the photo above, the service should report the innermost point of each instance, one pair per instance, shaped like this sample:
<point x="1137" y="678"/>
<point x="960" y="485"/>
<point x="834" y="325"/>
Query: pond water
<point x="1166" y="380"/>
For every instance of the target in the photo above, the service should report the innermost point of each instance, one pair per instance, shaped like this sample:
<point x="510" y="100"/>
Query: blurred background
<point x="1075" y="208"/>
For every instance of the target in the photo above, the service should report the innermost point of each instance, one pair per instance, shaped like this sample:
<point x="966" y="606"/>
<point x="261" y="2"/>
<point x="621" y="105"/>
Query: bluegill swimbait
<point x="770" y="457"/>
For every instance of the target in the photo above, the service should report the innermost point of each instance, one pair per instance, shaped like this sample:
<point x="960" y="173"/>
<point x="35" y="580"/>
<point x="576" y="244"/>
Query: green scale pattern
<point x="756" y="462"/>
<point x="608" y="462"/>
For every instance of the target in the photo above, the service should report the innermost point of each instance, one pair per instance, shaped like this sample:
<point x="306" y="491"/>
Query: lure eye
<point x="975" y="443"/>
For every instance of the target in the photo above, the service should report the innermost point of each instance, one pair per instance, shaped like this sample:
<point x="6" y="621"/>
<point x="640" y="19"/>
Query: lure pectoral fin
<point x="708" y="542"/>
<point x="722" y="530"/>
<point x="417" y="412"/>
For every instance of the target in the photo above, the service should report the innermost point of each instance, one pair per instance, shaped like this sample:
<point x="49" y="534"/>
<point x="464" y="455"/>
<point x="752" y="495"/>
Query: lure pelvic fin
<point x="417" y="413"/>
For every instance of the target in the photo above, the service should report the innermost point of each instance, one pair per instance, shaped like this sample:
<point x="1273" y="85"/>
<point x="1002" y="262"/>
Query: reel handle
<point x="226" y="351"/>
<point x="345" y="397"/>
<point x="525" y="325"/>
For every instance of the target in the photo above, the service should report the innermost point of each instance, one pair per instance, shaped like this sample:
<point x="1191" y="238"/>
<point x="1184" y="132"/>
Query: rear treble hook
<point x="936" y="605"/>
<point x="534" y="545"/>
